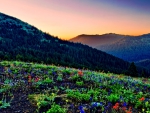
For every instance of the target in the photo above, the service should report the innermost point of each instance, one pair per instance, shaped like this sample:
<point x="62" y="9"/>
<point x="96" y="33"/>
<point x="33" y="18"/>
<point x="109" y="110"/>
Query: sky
<point x="69" y="18"/>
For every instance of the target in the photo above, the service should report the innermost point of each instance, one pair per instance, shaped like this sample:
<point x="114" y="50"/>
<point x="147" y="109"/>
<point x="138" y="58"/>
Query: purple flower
<point x="71" y="106"/>
<point x="101" y="87"/>
<point x="124" y="104"/>
<point x="9" y="71"/>
<point x="81" y="109"/>
<point x="146" y="99"/>
<point x="101" y="103"/>
<point x="109" y="103"/>
<point x="91" y="98"/>
<point x="94" y="104"/>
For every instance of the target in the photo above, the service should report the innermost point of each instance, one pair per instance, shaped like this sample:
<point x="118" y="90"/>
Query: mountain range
<point x="130" y="48"/>
<point x="22" y="41"/>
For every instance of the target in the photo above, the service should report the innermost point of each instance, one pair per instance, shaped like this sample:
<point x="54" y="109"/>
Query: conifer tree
<point x="132" y="70"/>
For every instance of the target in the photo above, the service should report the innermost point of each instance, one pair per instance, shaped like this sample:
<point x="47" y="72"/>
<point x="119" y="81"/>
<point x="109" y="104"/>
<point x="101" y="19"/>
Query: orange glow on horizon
<point x="68" y="18"/>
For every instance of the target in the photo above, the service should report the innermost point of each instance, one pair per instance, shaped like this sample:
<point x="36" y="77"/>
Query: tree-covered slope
<point x="129" y="48"/>
<point x="21" y="41"/>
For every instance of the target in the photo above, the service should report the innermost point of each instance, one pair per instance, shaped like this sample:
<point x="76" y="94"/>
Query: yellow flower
<point x="38" y="104"/>
<point x="143" y="109"/>
<point x="53" y="94"/>
<point x="66" y="100"/>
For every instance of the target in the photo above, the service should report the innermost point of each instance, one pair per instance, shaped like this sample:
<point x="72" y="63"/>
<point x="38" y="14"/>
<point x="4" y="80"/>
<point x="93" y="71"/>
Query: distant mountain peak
<point x="127" y="47"/>
<point x="95" y="40"/>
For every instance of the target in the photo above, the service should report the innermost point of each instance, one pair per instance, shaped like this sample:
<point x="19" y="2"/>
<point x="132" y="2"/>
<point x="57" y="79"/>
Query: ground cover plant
<point x="39" y="88"/>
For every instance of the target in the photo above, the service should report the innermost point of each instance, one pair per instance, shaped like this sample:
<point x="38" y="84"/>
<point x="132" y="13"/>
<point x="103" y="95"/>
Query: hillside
<point x="144" y="63"/>
<point x="129" y="48"/>
<point x="38" y="88"/>
<point x="21" y="41"/>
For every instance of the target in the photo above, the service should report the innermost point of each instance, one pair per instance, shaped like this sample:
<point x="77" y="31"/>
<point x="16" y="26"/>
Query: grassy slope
<point x="104" y="87"/>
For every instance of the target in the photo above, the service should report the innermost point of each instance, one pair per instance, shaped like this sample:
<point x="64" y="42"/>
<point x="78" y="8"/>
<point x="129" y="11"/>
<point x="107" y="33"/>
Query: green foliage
<point x="79" y="83"/>
<point x="75" y="77"/>
<point x="66" y="71"/>
<point x="42" y="103"/>
<point x="5" y="88"/>
<point x="147" y="104"/>
<point x="4" y="104"/>
<point x="59" y="78"/>
<point x="102" y="88"/>
<point x="47" y="81"/>
<point x="113" y="97"/>
<point x="56" y="109"/>
<point x="94" y="92"/>
<point x="78" y="96"/>
<point x="39" y="99"/>
<point x="138" y="104"/>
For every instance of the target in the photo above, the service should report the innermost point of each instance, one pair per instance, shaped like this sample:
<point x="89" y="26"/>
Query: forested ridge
<point x="129" y="48"/>
<point x="21" y="41"/>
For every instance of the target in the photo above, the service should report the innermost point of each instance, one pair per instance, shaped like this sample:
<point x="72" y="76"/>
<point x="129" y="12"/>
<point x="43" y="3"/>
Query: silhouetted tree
<point x="132" y="70"/>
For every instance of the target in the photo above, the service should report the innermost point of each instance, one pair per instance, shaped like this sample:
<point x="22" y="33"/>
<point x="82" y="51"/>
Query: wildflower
<point x="101" y="103"/>
<point x="66" y="100"/>
<point x="71" y="106"/>
<point x="109" y="104"/>
<point x="124" y="104"/>
<point x="115" y="107"/>
<point x="53" y="94"/>
<point x="29" y="79"/>
<point x="81" y="109"/>
<point x="91" y="98"/>
<point x="101" y="87"/>
<point x="124" y="108"/>
<point x="143" y="109"/>
<point x="117" y="104"/>
<point x="36" y="79"/>
<point x="29" y="76"/>
<point x="129" y="112"/>
<point x="80" y="73"/>
<point x="95" y="104"/>
<point x="142" y="99"/>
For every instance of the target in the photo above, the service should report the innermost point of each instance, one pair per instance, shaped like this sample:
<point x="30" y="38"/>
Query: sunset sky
<point x="69" y="18"/>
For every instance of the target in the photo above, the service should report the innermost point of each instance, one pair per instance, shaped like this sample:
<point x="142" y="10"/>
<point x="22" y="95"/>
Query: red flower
<point x="130" y="108"/>
<point x="36" y="79"/>
<point x="142" y="99"/>
<point x="115" y="107"/>
<point x="80" y="73"/>
<point x="129" y="112"/>
<point x="117" y="104"/>
<point x="124" y="108"/>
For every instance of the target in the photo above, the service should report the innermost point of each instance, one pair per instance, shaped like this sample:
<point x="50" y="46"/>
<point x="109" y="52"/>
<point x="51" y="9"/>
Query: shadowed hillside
<point x="129" y="48"/>
<point x="21" y="41"/>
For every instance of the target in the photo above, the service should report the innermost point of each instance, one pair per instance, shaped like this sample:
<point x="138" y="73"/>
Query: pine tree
<point x="132" y="70"/>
